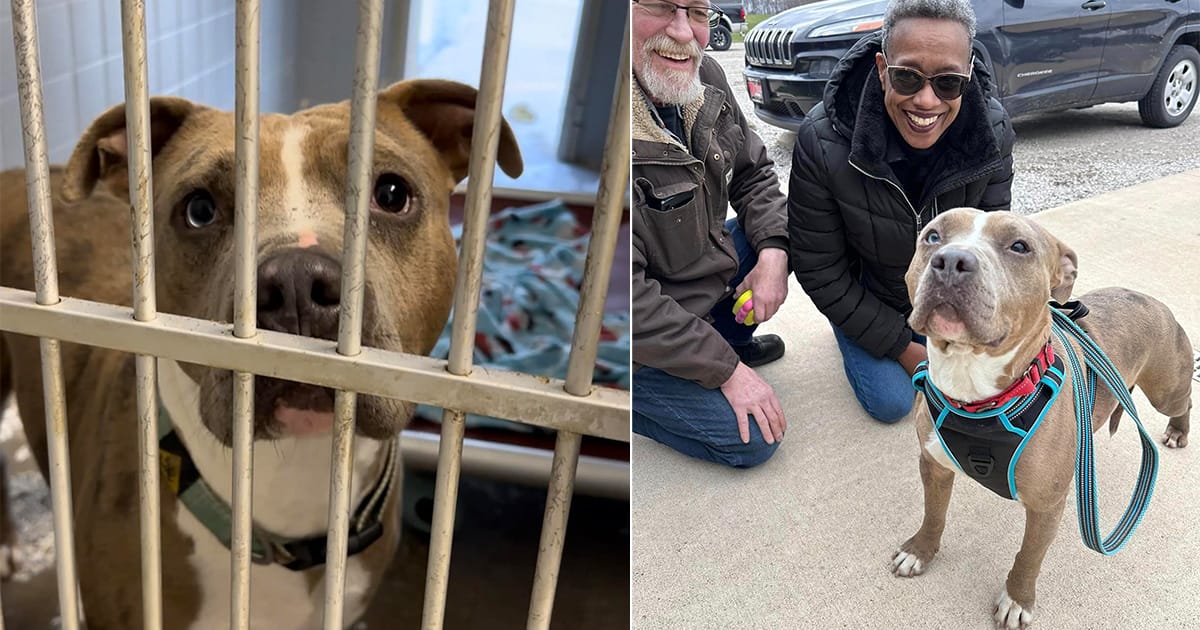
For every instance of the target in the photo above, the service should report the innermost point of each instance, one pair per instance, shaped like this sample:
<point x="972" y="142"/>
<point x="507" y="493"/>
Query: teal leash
<point x="1096" y="362"/>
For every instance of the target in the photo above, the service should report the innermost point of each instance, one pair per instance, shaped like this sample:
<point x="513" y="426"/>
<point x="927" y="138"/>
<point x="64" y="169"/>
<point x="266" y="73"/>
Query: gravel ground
<point x="1058" y="157"/>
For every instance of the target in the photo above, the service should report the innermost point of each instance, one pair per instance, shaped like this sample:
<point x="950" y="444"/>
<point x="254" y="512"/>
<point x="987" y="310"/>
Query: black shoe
<point x="761" y="350"/>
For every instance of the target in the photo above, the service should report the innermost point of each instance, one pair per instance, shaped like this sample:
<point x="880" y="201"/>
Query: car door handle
<point x="1092" y="5"/>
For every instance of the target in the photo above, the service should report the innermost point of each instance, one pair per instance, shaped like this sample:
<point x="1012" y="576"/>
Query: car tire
<point x="1175" y="89"/>
<point x="720" y="38"/>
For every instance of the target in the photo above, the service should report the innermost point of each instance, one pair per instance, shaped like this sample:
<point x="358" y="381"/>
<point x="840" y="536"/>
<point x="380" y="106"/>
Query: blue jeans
<point x="882" y="386"/>
<point x="694" y="420"/>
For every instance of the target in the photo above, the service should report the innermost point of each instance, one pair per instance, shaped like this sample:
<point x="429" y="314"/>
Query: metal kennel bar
<point x="606" y="224"/>
<point x="37" y="181"/>
<point x="245" y="311"/>
<point x="485" y="140"/>
<point x="141" y="198"/>
<point x="572" y="407"/>
<point x="350" y="313"/>
<point x="525" y="398"/>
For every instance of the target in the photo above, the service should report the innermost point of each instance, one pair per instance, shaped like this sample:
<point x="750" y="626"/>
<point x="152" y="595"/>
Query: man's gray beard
<point x="668" y="88"/>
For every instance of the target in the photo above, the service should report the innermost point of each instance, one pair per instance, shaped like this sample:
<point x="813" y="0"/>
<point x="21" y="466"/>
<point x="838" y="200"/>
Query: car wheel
<point x="720" y="38"/>
<point x="1175" y="89"/>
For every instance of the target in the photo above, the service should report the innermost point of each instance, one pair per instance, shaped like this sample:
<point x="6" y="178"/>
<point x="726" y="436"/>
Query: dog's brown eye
<point x="932" y="237"/>
<point x="1020" y="247"/>
<point x="199" y="209"/>
<point x="391" y="193"/>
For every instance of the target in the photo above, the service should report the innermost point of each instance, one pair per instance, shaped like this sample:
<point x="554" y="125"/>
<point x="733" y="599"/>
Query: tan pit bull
<point x="980" y="283"/>
<point x="422" y="140"/>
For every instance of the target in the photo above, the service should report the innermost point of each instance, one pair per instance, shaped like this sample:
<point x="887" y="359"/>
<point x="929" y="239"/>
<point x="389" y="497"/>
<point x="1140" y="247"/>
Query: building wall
<point x="191" y="54"/>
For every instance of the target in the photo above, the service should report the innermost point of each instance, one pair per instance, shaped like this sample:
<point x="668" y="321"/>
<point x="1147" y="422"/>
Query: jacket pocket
<point x="675" y="224"/>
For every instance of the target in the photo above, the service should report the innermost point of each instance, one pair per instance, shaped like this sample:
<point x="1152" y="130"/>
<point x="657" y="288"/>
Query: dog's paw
<point x="911" y="559"/>
<point x="905" y="564"/>
<point x="1010" y="615"/>
<point x="1174" y="437"/>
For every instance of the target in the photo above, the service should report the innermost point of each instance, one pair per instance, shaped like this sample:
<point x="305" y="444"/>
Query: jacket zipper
<point x="665" y="162"/>
<point x="916" y="215"/>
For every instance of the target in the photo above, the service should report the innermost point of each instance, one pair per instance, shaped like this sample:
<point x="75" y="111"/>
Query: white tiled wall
<point x="191" y="53"/>
<point x="307" y="49"/>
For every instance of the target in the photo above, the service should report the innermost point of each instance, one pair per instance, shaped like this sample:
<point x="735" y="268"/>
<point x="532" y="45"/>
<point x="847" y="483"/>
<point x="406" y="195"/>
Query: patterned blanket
<point x="532" y="270"/>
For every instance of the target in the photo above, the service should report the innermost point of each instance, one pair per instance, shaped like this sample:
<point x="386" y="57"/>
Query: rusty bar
<point x="606" y="225"/>
<point x="500" y="393"/>
<point x="485" y="140"/>
<point x="360" y="163"/>
<point x="246" y="153"/>
<point x="554" y="529"/>
<point x="37" y="181"/>
<point x="141" y="197"/>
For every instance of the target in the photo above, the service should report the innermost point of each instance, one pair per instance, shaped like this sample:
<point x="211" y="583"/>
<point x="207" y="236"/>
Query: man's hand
<point x="768" y="281"/>
<point x="912" y="355"/>
<point x="749" y="395"/>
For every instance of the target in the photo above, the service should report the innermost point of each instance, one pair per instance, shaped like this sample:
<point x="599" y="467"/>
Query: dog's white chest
<point x="279" y="597"/>
<point x="290" y="499"/>
<point x="933" y="446"/>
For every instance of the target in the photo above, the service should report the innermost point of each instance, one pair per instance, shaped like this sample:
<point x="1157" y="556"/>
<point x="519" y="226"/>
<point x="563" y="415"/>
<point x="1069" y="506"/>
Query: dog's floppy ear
<point x="1065" y="273"/>
<point x="103" y="151"/>
<point x="444" y="111"/>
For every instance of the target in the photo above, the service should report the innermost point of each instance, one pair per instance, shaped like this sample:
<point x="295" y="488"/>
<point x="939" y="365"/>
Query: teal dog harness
<point x="985" y="439"/>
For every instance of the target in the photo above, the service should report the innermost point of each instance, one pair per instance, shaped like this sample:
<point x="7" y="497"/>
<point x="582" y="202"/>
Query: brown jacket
<point x="683" y="257"/>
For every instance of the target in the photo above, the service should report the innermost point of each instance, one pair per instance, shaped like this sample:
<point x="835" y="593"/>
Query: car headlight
<point x="861" y="25"/>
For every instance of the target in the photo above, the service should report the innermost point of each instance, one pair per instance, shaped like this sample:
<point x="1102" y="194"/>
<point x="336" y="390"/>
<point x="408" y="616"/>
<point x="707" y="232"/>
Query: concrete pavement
<point x="806" y="539"/>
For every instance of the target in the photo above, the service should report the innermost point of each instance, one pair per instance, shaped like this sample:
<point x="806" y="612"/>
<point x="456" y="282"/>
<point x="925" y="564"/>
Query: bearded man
<point x="694" y="156"/>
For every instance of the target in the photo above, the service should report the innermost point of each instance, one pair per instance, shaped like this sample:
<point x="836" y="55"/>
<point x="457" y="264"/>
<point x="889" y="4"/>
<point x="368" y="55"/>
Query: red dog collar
<point x="1023" y="386"/>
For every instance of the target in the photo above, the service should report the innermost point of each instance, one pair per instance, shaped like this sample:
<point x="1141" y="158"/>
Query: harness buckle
<point x="981" y="462"/>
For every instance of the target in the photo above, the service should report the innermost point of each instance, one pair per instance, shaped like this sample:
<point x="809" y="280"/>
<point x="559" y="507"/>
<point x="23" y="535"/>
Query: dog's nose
<point x="299" y="292"/>
<point x="953" y="264"/>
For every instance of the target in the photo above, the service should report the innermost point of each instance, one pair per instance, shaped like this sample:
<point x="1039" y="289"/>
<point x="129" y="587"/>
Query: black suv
<point x="730" y="19"/>
<point x="1045" y="55"/>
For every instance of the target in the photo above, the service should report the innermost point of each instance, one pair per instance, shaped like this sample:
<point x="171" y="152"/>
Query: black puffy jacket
<point x="847" y="212"/>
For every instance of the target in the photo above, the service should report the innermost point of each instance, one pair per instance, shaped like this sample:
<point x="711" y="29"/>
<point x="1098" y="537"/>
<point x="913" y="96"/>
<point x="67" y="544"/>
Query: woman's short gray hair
<point x="959" y="11"/>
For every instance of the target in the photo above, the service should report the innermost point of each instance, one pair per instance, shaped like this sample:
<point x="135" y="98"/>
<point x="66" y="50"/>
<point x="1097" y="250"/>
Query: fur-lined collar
<point x="645" y="128"/>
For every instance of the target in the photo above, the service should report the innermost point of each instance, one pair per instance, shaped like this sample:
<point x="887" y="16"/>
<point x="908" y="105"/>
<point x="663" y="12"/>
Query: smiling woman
<point x="898" y="102"/>
<point x="920" y="52"/>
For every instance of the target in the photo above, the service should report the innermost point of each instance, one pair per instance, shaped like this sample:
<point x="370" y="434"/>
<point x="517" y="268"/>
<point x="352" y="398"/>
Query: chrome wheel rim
<point x="1180" y="89"/>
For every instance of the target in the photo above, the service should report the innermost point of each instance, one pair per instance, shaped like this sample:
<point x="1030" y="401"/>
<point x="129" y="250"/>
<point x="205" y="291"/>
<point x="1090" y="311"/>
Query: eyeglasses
<point x="947" y="86"/>
<point x="697" y="14"/>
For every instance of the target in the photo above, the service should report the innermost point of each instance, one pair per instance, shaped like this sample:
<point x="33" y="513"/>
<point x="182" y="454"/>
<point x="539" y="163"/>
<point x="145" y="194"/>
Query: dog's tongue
<point x="945" y="322"/>
<point x="301" y="422"/>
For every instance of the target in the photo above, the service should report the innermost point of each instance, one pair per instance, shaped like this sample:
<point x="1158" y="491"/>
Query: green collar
<point x="183" y="479"/>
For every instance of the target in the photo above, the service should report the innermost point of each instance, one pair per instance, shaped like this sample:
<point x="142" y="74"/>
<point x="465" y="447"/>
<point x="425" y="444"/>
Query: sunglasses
<point x="947" y="86"/>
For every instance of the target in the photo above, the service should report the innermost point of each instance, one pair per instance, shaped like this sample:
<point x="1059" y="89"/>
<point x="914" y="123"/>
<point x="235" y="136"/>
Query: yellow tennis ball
<point x="746" y="296"/>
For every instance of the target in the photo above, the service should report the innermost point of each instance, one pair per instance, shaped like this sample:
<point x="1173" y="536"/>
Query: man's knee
<point x="746" y="455"/>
